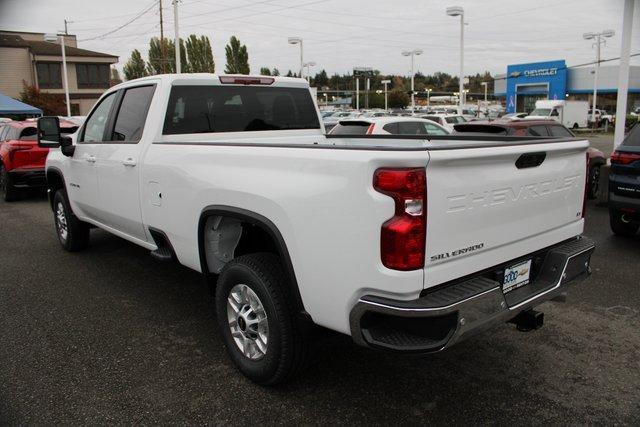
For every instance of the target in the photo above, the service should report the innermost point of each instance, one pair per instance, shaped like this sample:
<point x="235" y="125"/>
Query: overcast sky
<point x="341" y="34"/>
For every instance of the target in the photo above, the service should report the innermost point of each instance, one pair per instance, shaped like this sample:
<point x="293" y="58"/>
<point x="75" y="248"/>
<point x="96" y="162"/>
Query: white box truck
<point x="572" y="114"/>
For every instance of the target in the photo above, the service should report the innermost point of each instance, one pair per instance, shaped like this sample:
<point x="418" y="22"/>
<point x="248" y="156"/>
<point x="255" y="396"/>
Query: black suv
<point x="624" y="186"/>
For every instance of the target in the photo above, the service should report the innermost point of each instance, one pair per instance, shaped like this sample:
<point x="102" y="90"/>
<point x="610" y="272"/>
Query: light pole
<point x="54" y="38"/>
<point x="177" y="36"/>
<point x="599" y="41"/>
<point x="623" y="72"/>
<point x="429" y="97"/>
<point x="308" y="64"/>
<point x="459" y="11"/>
<point x="386" y="94"/>
<point x="485" y="84"/>
<point x="298" y="40"/>
<point x="412" y="54"/>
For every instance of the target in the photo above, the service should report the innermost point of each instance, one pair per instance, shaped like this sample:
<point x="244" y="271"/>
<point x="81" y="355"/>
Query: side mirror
<point x="49" y="132"/>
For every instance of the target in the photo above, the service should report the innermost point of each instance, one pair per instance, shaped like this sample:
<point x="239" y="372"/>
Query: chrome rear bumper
<point x="449" y="314"/>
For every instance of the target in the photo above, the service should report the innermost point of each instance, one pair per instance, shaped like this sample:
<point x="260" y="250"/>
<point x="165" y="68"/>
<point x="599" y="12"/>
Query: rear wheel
<point x="73" y="234"/>
<point x="620" y="225"/>
<point x="257" y="320"/>
<point x="9" y="192"/>
<point x="594" y="182"/>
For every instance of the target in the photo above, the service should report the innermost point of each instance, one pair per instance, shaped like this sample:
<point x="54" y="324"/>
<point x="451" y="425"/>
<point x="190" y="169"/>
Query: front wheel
<point x="257" y="321"/>
<point x="73" y="234"/>
<point x="620" y="225"/>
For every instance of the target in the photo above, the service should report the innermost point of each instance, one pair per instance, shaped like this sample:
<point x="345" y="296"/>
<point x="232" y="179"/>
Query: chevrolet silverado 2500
<point x="405" y="243"/>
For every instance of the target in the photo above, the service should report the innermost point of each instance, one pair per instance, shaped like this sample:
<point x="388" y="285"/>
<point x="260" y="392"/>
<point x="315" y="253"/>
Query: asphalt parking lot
<point x="111" y="336"/>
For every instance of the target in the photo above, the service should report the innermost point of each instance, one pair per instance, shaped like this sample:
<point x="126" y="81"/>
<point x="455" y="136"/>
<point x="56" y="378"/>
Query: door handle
<point x="129" y="161"/>
<point x="90" y="158"/>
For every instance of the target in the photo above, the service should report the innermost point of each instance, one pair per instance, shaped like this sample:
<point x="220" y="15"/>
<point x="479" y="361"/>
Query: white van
<point x="572" y="114"/>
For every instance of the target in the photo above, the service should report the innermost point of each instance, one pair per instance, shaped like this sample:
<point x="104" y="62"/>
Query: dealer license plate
<point x="516" y="276"/>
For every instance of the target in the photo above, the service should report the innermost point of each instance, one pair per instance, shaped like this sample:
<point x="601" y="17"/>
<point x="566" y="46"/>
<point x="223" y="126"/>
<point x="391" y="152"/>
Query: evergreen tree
<point x="135" y="67"/>
<point x="265" y="71"/>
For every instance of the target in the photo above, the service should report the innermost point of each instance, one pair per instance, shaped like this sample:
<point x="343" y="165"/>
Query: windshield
<point x="541" y="112"/>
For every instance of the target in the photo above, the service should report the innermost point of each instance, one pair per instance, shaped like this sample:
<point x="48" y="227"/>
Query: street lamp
<point x="429" y="97"/>
<point x="412" y="54"/>
<point x="298" y="40"/>
<point x="386" y="94"/>
<point x="459" y="11"/>
<point x="599" y="41"/>
<point x="308" y="64"/>
<point x="485" y="84"/>
<point x="53" y="38"/>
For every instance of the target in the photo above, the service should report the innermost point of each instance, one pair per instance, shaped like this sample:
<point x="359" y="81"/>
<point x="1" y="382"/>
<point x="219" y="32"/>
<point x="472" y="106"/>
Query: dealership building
<point x="524" y="84"/>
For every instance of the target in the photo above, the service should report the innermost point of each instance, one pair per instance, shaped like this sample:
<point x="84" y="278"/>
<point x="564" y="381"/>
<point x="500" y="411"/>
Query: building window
<point x="92" y="76"/>
<point x="49" y="75"/>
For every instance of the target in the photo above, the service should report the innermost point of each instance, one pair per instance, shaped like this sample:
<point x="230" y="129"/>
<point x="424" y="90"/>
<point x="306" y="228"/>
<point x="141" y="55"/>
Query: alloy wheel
<point x="61" y="222"/>
<point x="248" y="322"/>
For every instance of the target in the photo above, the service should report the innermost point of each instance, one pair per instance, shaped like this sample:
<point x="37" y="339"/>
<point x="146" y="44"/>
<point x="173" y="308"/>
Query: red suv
<point x="548" y="128"/>
<point x="21" y="160"/>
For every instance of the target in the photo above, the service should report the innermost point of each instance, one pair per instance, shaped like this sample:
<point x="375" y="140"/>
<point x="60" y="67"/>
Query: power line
<point x="152" y="6"/>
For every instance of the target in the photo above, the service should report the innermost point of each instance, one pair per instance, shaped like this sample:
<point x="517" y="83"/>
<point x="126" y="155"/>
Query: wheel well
<point x="54" y="183"/>
<point x="232" y="232"/>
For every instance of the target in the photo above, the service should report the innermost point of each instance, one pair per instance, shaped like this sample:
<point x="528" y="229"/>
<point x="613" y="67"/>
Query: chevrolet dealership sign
<point x="541" y="72"/>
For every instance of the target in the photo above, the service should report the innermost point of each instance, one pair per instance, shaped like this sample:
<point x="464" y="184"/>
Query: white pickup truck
<point x="405" y="243"/>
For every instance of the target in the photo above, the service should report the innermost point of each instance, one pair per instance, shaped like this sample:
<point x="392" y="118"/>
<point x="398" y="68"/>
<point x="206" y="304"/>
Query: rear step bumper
<point x="452" y="313"/>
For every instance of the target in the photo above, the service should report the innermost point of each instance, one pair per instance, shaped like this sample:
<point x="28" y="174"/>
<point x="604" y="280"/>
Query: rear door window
<point x="538" y="130"/>
<point x="432" y="129"/>
<point x="411" y="128"/>
<point x="392" y="128"/>
<point x="200" y="109"/>
<point x="132" y="114"/>
<point x="560" y="132"/>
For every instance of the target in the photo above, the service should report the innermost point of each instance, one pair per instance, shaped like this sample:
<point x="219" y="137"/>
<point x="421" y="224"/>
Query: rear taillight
<point x="370" y="129"/>
<point x="246" y="80"/>
<point x="621" y="158"/>
<point x="402" y="238"/>
<point x="13" y="148"/>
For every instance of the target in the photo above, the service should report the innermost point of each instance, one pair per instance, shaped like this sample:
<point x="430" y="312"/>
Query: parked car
<point x="624" y="186"/>
<point x="232" y="176"/>
<point x="388" y="126"/>
<point x="538" y="128"/>
<point x="446" y="120"/>
<point x="602" y="118"/>
<point x="21" y="160"/>
<point x="514" y="116"/>
<point x="331" y="120"/>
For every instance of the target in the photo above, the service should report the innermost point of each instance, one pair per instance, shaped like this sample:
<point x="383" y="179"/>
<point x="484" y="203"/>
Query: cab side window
<point x="96" y="123"/>
<point x="555" y="113"/>
<point x="132" y="114"/>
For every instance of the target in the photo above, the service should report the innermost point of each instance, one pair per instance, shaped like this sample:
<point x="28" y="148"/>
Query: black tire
<point x="287" y="338"/>
<point x="594" y="182"/>
<point x="73" y="234"/>
<point x="619" y="227"/>
<point x="9" y="192"/>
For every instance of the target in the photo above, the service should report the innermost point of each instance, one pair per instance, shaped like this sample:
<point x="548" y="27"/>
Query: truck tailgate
<point x="488" y="205"/>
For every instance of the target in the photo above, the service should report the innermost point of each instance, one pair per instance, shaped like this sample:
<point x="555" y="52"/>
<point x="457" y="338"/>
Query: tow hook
<point x="529" y="320"/>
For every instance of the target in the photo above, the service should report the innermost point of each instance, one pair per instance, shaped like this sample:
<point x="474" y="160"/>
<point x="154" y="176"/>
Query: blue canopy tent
<point x="14" y="109"/>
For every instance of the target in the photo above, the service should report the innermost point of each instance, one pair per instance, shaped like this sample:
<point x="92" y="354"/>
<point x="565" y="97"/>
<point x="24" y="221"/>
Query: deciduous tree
<point x="237" y="57"/>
